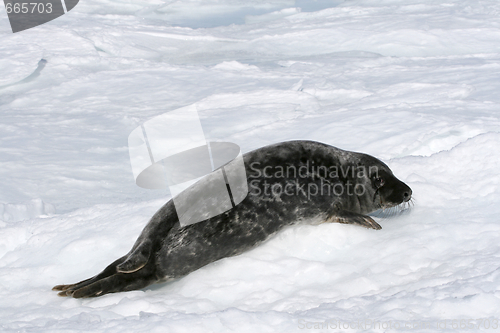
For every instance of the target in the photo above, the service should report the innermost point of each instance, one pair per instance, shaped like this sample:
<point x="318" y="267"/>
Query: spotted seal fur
<point x="289" y="183"/>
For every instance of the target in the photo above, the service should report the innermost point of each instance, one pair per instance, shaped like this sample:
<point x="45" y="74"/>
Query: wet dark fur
<point x="165" y="250"/>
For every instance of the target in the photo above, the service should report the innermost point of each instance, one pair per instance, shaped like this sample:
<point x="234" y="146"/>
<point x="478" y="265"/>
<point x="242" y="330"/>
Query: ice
<point x="414" y="83"/>
<point x="17" y="212"/>
<point x="17" y="61"/>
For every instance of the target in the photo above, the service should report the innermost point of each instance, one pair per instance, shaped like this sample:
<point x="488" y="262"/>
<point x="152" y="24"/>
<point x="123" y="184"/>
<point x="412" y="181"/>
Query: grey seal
<point x="288" y="183"/>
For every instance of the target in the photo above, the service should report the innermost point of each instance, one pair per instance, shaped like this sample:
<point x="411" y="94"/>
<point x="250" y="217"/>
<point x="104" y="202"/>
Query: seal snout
<point x="404" y="192"/>
<point x="407" y="195"/>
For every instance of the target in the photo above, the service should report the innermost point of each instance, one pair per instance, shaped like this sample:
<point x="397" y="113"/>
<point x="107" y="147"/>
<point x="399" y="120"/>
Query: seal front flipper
<point x="347" y="217"/>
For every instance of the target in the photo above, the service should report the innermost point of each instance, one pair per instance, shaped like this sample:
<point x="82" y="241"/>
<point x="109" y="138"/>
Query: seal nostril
<point x="406" y="196"/>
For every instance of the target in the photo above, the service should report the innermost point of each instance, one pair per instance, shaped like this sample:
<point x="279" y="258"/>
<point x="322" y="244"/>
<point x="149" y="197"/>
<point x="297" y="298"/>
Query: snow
<point x="414" y="83"/>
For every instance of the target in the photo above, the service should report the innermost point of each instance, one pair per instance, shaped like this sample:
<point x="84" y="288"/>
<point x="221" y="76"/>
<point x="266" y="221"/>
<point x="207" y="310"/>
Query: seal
<point x="288" y="183"/>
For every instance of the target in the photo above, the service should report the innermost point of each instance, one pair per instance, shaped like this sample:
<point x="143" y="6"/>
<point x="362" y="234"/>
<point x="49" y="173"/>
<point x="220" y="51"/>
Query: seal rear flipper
<point x="108" y="271"/>
<point x="115" y="283"/>
<point x="110" y="281"/>
<point x="137" y="259"/>
<point x="354" y="218"/>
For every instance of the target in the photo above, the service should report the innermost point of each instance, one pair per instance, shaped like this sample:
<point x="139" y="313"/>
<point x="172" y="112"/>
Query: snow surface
<point x="415" y="83"/>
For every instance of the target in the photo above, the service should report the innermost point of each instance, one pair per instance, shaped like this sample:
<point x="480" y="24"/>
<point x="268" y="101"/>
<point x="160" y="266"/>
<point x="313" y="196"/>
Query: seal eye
<point x="379" y="182"/>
